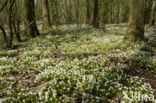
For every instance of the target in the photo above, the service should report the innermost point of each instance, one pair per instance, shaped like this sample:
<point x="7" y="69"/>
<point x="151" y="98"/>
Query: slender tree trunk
<point x="110" y="12"/>
<point x="148" y="10"/>
<point x="11" y="32"/>
<point x="68" y="13"/>
<point x="153" y="13"/>
<point x="4" y="34"/>
<point x="55" y="11"/>
<point x="88" y="11"/>
<point x="122" y="11"/>
<point x="32" y="29"/>
<point x="77" y="11"/>
<point x="135" y="29"/>
<point x="17" y="30"/>
<point x="70" y="10"/>
<point x="12" y="2"/>
<point x="45" y="11"/>
<point x="16" y="22"/>
<point x="95" y="22"/>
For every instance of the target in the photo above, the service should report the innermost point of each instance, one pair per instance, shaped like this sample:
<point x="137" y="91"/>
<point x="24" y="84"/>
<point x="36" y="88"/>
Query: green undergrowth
<point x="87" y="67"/>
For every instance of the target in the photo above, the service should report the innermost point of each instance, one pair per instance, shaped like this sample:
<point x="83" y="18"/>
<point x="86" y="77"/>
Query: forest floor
<point x="79" y="64"/>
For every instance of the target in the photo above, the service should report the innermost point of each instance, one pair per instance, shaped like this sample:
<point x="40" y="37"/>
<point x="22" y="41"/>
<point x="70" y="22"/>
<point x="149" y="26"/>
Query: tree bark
<point x="153" y="13"/>
<point x="122" y="11"/>
<point x="18" y="31"/>
<point x="12" y="2"/>
<point x="135" y="29"/>
<point x="32" y="29"/>
<point x="16" y="23"/>
<point x="95" y="22"/>
<point x="77" y="3"/>
<point x="4" y="34"/>
<point x="88" y="11"/>
<point x="45" y="11"/>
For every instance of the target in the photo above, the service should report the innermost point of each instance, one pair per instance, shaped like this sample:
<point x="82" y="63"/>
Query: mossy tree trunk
<point x="95" y="21"/>
<point x="31" y="26"/>
<point x="135" y="29"/>
<point x="45" y="11"/>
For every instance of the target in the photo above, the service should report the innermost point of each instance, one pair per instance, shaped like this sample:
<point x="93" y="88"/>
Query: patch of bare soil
<point x="145" y="75"/>
<point x="24" y="80"/>
<point x="148" y="77"/>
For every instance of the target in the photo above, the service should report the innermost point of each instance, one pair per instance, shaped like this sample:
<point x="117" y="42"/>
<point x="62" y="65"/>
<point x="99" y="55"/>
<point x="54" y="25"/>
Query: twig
<point x="37" y="70"/>
<point x="18" y="79"/>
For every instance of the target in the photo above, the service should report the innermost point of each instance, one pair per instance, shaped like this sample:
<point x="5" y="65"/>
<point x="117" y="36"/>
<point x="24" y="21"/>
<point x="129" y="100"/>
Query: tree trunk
<point x="95" y="22"/>
<point x="122" y="11"/>
<point x="148" y="10"/>
<point x="18" y="31"/>
<point x="110" y="12"/>
<point x="87" y="11"/>
<point x="54" y="4"/>
<point x="12" y="2"/>
<point x="32" y="29"/>
<point x="153" y="13"/>
<point x="135" y="29"/>
<point x="16" y="26"/>
<point x="77" y="11"/>
<point x="45" y="11"/>
<point x="4" y="34"/>
<point x="68" y="8"/>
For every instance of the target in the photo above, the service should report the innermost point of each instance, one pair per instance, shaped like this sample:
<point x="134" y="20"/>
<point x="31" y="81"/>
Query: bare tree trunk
<point x="110" y="12"/>
<point x="68" y="16"/>
<point x="18" y="31"/>
<point x="95" y="22"/>
<point x="30" y="18"/>
<point x="4" y="34"/>
<point x="122" y="11"/>
<point x="12" y="2"/>
<point x="135" y="29"/>
<point x="54" y="4"/>
<point x="77" y="3"/>
<point x="16" y="24"/>
<point x="88" y="11"/>
<point x="45" y="11"/>
<point x="153" y="13"/>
